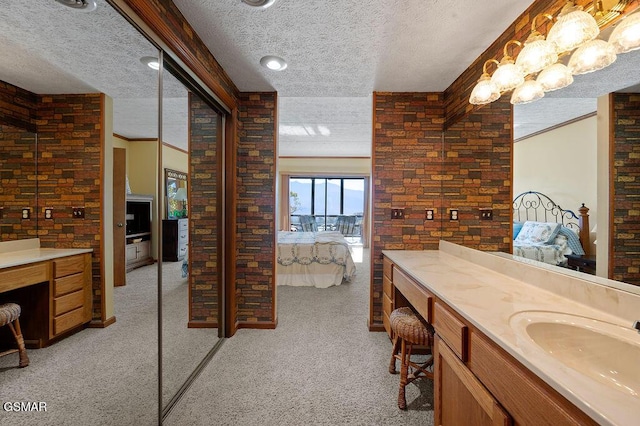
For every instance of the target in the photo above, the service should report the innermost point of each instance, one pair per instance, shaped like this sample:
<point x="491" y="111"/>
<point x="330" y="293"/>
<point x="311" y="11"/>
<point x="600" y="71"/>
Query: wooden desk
<point x="53" y="288"/>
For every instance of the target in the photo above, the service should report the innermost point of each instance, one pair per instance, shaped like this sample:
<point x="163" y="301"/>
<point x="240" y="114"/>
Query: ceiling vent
<point x="84" y="5"/>
<point x="259" y="3"/>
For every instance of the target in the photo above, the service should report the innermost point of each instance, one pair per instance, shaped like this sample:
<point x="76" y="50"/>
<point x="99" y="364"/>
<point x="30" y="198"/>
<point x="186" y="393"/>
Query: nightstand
<point x="582" y="263"/>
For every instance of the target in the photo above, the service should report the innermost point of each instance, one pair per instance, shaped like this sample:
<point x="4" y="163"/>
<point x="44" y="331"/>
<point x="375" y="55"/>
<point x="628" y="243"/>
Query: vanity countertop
<point x="488" y="297"/>
<point x="25" y="257"/>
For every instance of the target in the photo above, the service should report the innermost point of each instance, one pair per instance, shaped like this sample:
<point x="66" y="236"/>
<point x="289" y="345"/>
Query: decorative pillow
<point x="538" y="232"/>
<point x="517" y="227"/>
<point x="573" y="241"/>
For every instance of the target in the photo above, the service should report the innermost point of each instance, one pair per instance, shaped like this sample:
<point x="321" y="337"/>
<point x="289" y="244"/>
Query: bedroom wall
<point x="561" y="163"/>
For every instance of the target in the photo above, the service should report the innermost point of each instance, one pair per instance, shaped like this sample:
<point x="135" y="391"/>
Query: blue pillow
<point x="517" y="227"/>
<point x="573" y="241"/>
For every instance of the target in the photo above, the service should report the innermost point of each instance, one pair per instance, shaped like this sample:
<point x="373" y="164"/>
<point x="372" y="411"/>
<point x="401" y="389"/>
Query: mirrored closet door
<point x="191" y="227"/>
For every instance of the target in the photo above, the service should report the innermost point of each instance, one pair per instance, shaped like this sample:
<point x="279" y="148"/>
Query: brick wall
<point x="17" y="107"/>
<point x="407" y="173"/>
<point x="70" y="148"/>
<point x="17" y="183"/>
<point x="255" y="192"/>
<point x="204" y="223"/>
<point x="625" y="171"/>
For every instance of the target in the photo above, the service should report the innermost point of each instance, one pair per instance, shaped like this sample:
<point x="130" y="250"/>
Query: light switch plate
<point x="397" y="213"/>
<point x="78" y="212"/>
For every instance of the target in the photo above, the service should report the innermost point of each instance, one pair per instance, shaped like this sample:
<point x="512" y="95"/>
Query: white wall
<point x="561" y="163"/>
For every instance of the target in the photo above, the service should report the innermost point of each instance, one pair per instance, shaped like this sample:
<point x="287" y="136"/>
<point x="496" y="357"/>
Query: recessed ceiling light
<point x="259" y="3"/>
<point x="151" y="62"/>
<point x="84" y="5"/>
<point x="274" y="63"/>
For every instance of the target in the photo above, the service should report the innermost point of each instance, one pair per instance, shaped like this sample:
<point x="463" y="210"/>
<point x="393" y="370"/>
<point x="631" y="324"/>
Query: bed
<point x="544" y="231"/>
<point x="318" y="259"/>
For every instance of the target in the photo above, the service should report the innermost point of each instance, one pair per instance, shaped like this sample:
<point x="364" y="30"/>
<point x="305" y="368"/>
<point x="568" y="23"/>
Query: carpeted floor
<point x="320" y="366"/>
<point x="109" y="376"/>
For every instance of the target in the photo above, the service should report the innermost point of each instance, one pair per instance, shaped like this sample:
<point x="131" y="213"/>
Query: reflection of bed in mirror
<point x="318" y="259"/>
<point x="544" y="231"/>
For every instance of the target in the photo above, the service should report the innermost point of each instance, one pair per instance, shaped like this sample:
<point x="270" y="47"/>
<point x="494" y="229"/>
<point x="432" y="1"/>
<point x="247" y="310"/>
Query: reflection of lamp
<point x="181" y="195"/>
<point x="595" y="231"/>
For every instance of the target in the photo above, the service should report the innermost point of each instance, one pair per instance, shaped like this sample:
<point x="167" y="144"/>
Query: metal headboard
<point x="536" y="206"/>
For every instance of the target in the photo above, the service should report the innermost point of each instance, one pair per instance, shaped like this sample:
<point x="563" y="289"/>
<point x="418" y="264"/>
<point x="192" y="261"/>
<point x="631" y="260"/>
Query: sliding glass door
<point x="328" y="200"/>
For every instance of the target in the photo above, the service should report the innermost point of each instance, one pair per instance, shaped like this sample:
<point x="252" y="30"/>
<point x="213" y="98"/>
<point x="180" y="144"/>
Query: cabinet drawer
<point x="387" y="287"/>
<point x="386" y="323"/>
<point x="68" y="302"/>
<point x="453" y="331"/>
<point x="182" y="250"/>
<point x="183" y="238"/>
<point x="414" y="292"/>
<point x="67" y="266"/>
<point x="386" y="268"/>
<point x="387" y="305"/>
<point x="67" y="321"/>
<point x="183" y="225"/>
<point x="68" y="284"/>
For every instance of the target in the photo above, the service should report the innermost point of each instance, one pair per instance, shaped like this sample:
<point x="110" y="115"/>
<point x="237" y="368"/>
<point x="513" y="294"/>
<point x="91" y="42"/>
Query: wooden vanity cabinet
<point x="475" y="381"/>
<point x="387" y="294"/>
<point x="55" y="295"/>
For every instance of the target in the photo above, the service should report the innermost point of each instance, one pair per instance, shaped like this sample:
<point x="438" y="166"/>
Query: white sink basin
<point x="607" y="353"/>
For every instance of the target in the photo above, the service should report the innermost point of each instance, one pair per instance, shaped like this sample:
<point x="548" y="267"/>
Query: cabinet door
<point x="132" y="253"/>
<point x="460" y="399"/>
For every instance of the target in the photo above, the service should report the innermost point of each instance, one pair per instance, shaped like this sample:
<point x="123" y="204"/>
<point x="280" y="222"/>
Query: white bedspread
<point x="319" y="259"/>
<point x="553" y="254"/>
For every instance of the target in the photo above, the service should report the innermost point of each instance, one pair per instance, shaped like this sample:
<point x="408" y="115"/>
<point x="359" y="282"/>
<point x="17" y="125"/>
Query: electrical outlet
<point x="486" y="214"/>
<point x="453" y="214"/>
<point x="428" y="214"/>
<point x="26" y="213"/>
<point x="48" y="213"/>
<point x="397" y="213"/>
<point x="78" y="212"/>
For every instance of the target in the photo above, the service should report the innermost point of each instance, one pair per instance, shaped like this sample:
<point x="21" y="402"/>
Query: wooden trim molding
<point x="202" y="324"/>
<point x="149" y="12"/>
<point x="263" y="325"/>
<point x="230" y="306"/>
<point x="102" y="324"/>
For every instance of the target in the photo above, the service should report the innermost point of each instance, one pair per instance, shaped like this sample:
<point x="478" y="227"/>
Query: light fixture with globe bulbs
<point x="540" y="67"/>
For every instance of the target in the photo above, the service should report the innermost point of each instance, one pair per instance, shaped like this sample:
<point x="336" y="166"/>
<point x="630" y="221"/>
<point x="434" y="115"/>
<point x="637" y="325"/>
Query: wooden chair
<point x="409" y="330"/>
<point x="346" y="225"/>
<point x="9" y="314"/>
<point x="308" y="223"/>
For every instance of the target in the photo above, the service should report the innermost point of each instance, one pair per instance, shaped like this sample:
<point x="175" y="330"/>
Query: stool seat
<point x="408" y="330"/>
<point x="9" y="316"/>
<point x="408" y="326"/>
<point x="9" y="312"/>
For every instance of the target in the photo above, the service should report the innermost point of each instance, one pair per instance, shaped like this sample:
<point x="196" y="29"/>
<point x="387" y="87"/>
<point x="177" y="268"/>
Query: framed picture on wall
<point x="176" y="194"/>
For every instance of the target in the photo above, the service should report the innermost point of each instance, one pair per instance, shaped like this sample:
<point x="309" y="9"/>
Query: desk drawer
<point x="453" y="331"/>
<point x="67" y="321"/>
<point x="68" y="284"/>
<point x="14" y="278"/>
<point x="415" y="293"/>
<point x="183" y="225"/>
<point x="68" y="302"/>
<point x="68" y="265"/>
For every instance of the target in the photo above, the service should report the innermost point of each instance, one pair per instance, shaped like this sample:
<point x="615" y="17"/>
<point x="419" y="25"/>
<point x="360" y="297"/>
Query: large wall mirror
<point x="562" y="149"/>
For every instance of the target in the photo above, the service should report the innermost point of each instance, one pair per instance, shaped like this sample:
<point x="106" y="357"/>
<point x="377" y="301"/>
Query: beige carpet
<point x="320" y="366"/>
<point x="109" y="376"/>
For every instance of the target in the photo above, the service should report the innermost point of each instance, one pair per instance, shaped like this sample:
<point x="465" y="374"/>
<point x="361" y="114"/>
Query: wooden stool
<point x="9" y="314"/>
<point x="409" y="330"/>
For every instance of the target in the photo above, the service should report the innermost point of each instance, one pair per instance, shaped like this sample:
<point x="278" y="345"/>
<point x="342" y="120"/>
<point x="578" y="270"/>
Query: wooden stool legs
<point x="22" y="350"/>
<point x="406" y="377"/>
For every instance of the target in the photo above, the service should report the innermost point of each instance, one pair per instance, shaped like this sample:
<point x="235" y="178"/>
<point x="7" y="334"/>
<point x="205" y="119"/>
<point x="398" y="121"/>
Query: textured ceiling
<point x="339" y="52"/>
